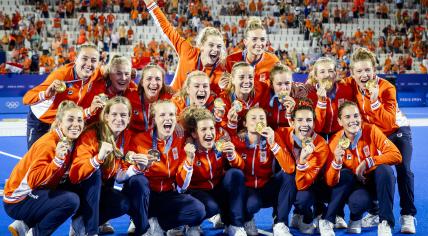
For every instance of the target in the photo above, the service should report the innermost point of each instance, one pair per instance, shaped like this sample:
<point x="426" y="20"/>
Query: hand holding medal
<point x="62" y="148"/>
<point x="307" y="148"/>
<point x="190" y="150"/>
<point x="154" y="155"/>
<point x="219" y="108"/>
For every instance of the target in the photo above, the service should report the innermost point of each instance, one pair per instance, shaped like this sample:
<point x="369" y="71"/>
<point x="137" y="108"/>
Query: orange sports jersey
<point x="162" y="175"/>
<point x="39" y="168"/>
<point x="262" y="67"/>
<point x="45" y="108"/>
<point x="207" y="170"/>
<point x="85" y="156"/>
<point x="384" y="112"/>
<point x="370" y="146"/>
<point x="260" y="98"/>
<point x="189" y="56"/>
<point x="276" y="113"/>
<point x="141" y="120"/>
<point x="326" y="111"/>
<point x="258" y="159"/>
<point x="306" y="174"/>
<point x="100" y="86"/>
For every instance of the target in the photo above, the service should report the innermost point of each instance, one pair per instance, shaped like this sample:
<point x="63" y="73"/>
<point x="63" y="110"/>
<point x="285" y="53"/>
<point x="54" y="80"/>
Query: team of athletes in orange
<point x="231" y="135"/>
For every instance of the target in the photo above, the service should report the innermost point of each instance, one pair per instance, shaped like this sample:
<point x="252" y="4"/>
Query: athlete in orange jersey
<point x="101" y="151"/>
<point x="168" y="208"/>
<point x="308" y="154"/>
<point x="216" y="177"/>
<point x="258" y="148"/>
<point x="151" y="88"/>
<point x="331" y="92"/>
<point x="378" y="106"/>
<point x="35" y="193"/>
<point x="45" y="98"/>
<point x="281" y="104"/>
<point x="255" y="40"/>
<point x="242" y="94"/>
<point x="360" y="170"/>
<point x="208" y="55"/>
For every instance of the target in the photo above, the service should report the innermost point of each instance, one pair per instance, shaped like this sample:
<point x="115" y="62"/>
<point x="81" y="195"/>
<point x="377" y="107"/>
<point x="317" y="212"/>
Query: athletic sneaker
<point x="316" y="223"/>
<point x="370" y="221"/>
<point x="407" y="224"/>
<point x="306" y="228"/>
<point x="340" y="223"/>
<point x="326" y="228"/>
<point x="77" y="227"/>
<point x="30" y="232"/>
<point x="131" y="227"/>
<point x="177" y="231"/>
<point x="295" y="219"/>
<point x="155" y="228"/>
<point x="216" y="220"/>
<point x="193" y="231"/>
<point x="354" y="227"/>
<point x="250" y="228"/>
<point x="235" y="231"/>
<point x="280" y="229"/>
<point x="18" y="228"/>
<point x="106" y="228"/>
<point x="383" y="229"/>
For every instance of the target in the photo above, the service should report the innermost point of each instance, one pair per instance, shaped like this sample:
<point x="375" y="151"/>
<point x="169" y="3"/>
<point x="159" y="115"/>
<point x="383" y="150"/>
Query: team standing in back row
<point x="237" y="136"/>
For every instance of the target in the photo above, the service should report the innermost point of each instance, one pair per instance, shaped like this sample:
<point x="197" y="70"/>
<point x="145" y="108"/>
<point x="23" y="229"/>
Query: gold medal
<point x="327" y="84"/>
<point x="103" y="97"/>
<point x="344" y="142"/>
<point x="219" y="145"/>
<point x="237" y="105"/>
<point x="259" y="127"/>
<point x="371" y="84"/>
<point x="218" y="103"/>
<point x="156" y="155"/>
<point x="62" y="87"/>
<point x="128" y="158"/>
<point x="282" y="96"/>
<point x="306" y="141"/>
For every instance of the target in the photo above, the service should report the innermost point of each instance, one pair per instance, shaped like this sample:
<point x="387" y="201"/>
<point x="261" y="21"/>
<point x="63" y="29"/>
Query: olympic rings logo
<point x="12" y="104"/>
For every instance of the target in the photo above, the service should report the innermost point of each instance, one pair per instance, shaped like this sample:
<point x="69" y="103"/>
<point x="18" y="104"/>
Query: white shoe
<point x="306" y="228"/>
<point x="155" y="228"/>
<point x="178" y="231"/>
<point x="193" y="231"/>
<point x="77" y="227"/>
<point x="295" y="219"/>
<point x="326" y="228"/>
<point x="407" y="224"/>
<point x="131" y="227"/>
<point x="29" y="232"/>
<point x="250" y="228"/>
<point x="383" y="229"/>
<point x="316" y="222"/>
<point x="280" y="229"/>
<point x="370" y="221"/>
<point x="236" y="231"/>
<point x="106" y="228"/>
<point x="216" y="220"/>
<point x="354" y="227"/>
<point x="18" y="228"/>
<point x="340" y="223"/>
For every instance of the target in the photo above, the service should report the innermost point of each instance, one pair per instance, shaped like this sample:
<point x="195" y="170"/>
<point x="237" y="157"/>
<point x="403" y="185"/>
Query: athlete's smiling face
<point x="211" y="50"/>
